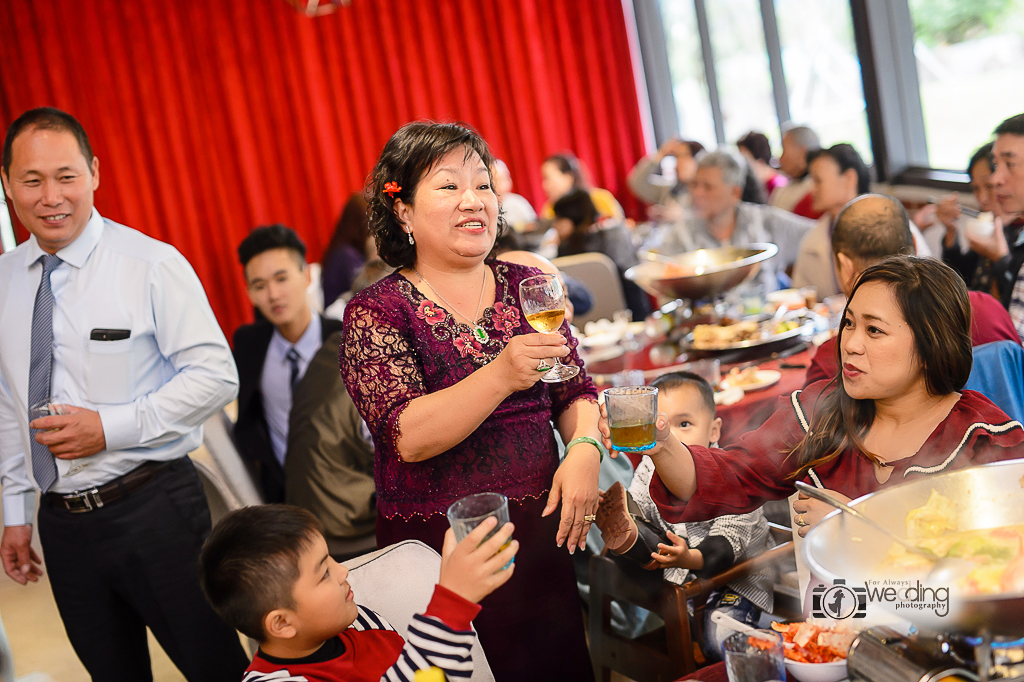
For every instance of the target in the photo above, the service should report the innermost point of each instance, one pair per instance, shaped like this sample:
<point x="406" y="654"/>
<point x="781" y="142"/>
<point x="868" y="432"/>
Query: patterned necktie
<point x="44" y="468"/>
<point x="293" y="359"/>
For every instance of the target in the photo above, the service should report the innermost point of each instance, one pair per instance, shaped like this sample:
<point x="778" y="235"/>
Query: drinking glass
<point x="44" y="408"/>
<point x="469" y="512"/>
<point x="632" y="412"/>
<point x="745" y="662"/>
<point x="543" y="302"/>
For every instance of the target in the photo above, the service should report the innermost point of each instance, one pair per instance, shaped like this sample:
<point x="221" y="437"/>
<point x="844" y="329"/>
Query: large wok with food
<point x="987" y="496"/>
<point x="701" y="274"/>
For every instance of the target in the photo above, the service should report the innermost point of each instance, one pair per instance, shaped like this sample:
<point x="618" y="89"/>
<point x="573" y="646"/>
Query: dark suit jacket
<point x="252" y="436"/>
<point x="329" y="465"/>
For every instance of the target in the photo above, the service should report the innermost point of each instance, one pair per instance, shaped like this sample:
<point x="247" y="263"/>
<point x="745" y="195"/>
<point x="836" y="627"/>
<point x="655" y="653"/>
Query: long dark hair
<point x="933" y="300"/>
<point x="352" y="228"/>
<point x="405" y="159"/>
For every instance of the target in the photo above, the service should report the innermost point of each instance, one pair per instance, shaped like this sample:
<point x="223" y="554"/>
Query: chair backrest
<point x="599" y="273"/>
<point x="998" y="374"/>
<point x="397" y="583"/>
<point x="227" y="463"/>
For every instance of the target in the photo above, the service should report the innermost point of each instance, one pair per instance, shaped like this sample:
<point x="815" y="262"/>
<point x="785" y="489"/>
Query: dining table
<point x="716" y="673"/>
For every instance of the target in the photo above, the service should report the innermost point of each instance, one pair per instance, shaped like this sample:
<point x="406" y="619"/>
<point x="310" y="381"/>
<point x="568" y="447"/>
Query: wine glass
<point x="543" y="302"/>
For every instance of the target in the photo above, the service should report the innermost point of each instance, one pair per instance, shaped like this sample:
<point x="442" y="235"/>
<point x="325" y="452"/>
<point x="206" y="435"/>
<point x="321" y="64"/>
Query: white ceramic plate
<point x="764" y="377"/>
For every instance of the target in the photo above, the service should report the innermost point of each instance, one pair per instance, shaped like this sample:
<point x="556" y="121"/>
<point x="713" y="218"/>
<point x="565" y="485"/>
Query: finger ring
<point x="799" y="519"/>
<point x="590" y="518"/>
<point x="542" y="366"/>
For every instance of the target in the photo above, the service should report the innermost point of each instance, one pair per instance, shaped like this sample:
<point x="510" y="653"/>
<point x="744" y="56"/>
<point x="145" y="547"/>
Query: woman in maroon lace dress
<point x="443" y="367"/>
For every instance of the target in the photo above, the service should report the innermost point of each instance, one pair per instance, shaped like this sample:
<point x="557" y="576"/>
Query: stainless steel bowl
<point x="715" y="271"/>
<point x="986" y="496"/>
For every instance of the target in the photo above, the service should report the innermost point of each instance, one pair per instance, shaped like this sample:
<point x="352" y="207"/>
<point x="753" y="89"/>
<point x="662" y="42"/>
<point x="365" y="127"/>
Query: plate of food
<point x="743" y="334"/>
<point x="750" y="379"/>
<point x="815" y="652"/>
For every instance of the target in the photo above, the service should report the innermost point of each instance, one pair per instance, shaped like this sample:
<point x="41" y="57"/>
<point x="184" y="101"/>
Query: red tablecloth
<point x="749" y="413"/>
<point x="716" y="673"/>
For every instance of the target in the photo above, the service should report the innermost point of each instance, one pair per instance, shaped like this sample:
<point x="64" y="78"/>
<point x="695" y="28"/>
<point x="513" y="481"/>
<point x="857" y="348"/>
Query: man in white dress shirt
<point x="115" y="327"/>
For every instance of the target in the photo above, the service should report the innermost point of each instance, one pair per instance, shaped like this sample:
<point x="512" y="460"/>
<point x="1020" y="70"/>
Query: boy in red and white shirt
<point x="267" y="573"/>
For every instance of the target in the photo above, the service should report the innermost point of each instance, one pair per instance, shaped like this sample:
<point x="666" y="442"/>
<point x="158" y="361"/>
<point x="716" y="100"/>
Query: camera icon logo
<point x="839" y="601"/>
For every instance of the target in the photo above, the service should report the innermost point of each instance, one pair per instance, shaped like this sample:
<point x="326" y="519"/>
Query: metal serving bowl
<point x="715" y="271"/>
<point x="986" y="496"/>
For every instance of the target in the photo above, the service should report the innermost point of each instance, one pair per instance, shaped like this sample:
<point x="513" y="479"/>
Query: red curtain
<point x="210" y="118"/>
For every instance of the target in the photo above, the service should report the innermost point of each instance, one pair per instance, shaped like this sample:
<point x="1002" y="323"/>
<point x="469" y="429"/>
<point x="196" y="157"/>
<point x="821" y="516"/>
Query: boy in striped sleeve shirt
<point x="266" y="571"/>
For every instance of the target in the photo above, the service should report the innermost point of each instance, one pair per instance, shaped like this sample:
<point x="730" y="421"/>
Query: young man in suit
<point x="296" y="423"/>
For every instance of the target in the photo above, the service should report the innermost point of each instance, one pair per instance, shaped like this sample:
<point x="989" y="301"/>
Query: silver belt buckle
<point x="90" y="500"/>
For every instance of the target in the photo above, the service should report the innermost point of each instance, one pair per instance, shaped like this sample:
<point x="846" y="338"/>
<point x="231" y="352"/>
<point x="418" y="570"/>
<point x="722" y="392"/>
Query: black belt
<point x="89" y="500"/>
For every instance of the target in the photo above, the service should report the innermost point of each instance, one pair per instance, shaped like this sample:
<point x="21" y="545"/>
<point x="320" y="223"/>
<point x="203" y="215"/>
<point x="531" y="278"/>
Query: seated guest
<point x="975" y="269"/>
<point x="349" y="248"/>
<point x="838" y="175"/>
<point x="797" y="143"/>
<point x="717" y="217"/>
<point x="578" y="232"/>
<point x="870" y="229"/>
<point x="898" y="411"/>
<point x="757" y="151"/>
<point x="632" y="526"/>
<point x="562" y="173"/>
<point x="518" y="212"/>
<point x="666" y="196"/>
<point x="268" y="573"/>
<point x="1005" y="247"/>
<point x="273" y="356"/>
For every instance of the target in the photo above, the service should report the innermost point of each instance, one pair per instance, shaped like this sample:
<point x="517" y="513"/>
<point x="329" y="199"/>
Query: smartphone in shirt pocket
<point x="110" y="366"/>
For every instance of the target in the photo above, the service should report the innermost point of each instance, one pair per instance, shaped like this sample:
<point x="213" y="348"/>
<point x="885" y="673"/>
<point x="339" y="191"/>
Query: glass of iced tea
<point x="543" y="301"/>
<point x="632" y="413"/>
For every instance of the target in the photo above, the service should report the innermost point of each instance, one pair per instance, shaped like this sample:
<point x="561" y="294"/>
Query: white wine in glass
<point x="543" y="301"/>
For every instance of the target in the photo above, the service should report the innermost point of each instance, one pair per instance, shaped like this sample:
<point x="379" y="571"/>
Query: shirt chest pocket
<point x="109" y="373"/>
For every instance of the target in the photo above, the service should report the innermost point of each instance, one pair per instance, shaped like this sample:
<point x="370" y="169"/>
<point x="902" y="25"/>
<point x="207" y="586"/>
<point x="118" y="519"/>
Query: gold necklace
<point x="479" y="333"/>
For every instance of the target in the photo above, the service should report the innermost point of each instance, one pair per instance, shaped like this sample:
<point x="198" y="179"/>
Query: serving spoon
<point x="946" y="571"/>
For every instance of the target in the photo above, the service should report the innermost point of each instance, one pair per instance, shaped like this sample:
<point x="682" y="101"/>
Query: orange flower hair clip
<point x="391" y="188"/>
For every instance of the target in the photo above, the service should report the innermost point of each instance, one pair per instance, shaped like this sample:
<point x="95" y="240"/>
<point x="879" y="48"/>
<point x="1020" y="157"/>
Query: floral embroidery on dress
<point x="506" y="320"/>
<point x="503" y="317"/>
<point x="430" y="312"/>
<point x="467" y="345"/>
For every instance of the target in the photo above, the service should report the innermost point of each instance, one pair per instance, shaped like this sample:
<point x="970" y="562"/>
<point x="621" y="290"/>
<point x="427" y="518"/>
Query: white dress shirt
<point x="152" y="390"/>
<point x="275" y="381"/>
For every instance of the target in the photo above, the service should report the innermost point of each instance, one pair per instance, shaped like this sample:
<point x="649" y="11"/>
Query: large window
<point x="970" y="66"/>
<point x="822" y="70"/>
<point x="689" y="84"/>
<point x="736" y="69"/>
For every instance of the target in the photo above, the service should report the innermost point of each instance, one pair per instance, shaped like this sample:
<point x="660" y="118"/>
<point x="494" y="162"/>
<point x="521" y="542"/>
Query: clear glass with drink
<point x="543" y="301"/>
<point x="44" y="408"/>
<point x="754" y="657"/>
<point x="632" y="413"/>
<point x="466" y="514"/>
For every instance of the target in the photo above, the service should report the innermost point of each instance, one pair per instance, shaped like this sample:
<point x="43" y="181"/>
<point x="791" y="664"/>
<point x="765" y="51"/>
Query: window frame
<point x="883" y="35"/>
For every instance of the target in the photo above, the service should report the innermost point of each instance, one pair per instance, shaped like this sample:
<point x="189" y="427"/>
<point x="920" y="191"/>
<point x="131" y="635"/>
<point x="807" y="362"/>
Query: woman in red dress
<point x="445" y="370"/>
<point x="898" y="410"/>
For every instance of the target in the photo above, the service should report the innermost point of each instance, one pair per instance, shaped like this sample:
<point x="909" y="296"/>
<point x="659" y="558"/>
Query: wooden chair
<point x="669" y="653"/>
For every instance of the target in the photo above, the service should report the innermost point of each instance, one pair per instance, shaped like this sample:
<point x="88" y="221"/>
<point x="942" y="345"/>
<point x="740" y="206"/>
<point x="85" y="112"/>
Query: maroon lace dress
<point x="398" y="345"/>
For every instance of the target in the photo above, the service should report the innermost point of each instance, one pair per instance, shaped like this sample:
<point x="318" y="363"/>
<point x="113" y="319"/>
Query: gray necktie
<point x="44" y="467"/>
<point x="293" y="358"/>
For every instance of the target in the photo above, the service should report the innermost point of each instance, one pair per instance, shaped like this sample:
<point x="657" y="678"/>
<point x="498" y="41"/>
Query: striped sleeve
<point x="432" y="643"/>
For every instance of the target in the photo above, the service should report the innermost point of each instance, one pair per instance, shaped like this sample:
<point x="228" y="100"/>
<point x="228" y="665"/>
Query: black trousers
<point x="132" y="564"/>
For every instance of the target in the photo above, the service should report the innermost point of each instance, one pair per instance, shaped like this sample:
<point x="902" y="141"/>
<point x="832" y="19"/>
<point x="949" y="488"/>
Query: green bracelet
<point x="585" y="439"/>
